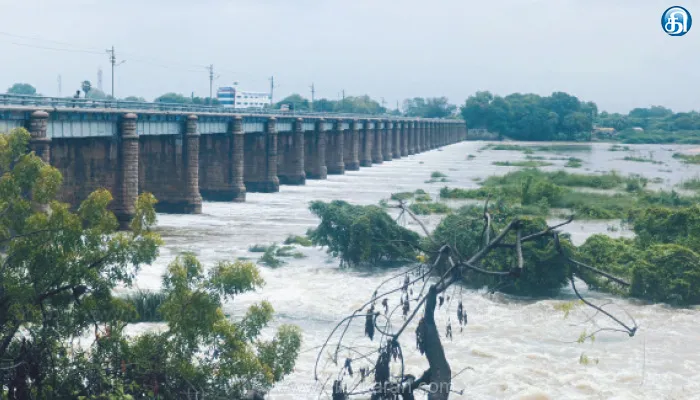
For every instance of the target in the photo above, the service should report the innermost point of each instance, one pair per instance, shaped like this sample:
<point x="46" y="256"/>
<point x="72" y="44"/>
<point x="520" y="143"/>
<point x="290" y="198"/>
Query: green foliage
<point x="617" y="147"/>
<point x="658" y="125"/>
<point x="202" y="349"/>
<point x="641" y="159"/>
<point x="669" y="226"/>
<point x="258" y="248"/>
<point x="429" y="208"/>
<point x="692" y="183"/>
<point x="300" y="240"/>
<point x="669" y="273"/>
<point x="554" y="189"/>
<point x="146" y="305"/>
<point x="574" y="162"/>
<point x="530" y="116"/>
<point x="661" y="262"/>
<point x="351" y="104"/>
<point x="361" y="234"/>
<point x="436" y="107"/>
<point x="545" y="272"/>
<point x="401" y="196"/>
<point x="688" y="158"/>
<point x="58" y="269"/>
<point x="176" y="98"/>
<point x="523" y="163"/>
<point x="437" y="174"/>
<point x="22" y="89"/>
<point x="270" y="256"/>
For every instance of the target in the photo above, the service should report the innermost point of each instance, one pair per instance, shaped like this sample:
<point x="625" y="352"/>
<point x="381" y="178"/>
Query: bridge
<point x="183" y="157"/>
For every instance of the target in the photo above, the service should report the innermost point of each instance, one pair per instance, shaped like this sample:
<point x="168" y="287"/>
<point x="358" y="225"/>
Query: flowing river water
<point x="510" y="349"/>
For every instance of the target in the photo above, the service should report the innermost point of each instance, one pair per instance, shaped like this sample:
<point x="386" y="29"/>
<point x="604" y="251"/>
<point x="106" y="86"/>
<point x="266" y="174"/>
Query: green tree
<point x="22" y="89"/>
<point x="58" y="269"/>
<point x="134" y="98"/>
<point x="202" y="348"/>
<point x="436" y="107"/>
<point x="295" y="101"/>
<point x="361" y="234"/>
<point x="87" y="86"/>
<point x="173" y="98"/>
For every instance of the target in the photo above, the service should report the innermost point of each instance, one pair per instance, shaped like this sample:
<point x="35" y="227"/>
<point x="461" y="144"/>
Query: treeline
<point x="351" y="104"/>
<point x="433" y="107"/>
<point x="658" y="125"/>
<point x="518" y="116"/>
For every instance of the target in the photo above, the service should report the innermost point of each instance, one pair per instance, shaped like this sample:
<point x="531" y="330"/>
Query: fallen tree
<point x="423" y="288"/>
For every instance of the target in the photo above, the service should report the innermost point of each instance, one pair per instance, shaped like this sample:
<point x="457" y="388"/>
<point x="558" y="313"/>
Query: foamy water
<point x="513" y="349"/>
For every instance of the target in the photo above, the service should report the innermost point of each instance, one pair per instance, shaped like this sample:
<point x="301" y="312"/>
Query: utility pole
<point x="211" y="82"/>
<point x="272" y="89"/>
<point x="59" y="86"/>
<point x="113" y="61"/>
<point x="313" y="92"/>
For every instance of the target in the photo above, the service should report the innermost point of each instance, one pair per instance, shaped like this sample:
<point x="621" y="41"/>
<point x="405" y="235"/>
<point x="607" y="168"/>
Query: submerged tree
<point x="424" y="288"/>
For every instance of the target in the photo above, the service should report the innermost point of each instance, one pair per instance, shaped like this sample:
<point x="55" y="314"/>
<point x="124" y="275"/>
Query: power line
<point x="55" y="49"/>
<point x="46" y="40"/>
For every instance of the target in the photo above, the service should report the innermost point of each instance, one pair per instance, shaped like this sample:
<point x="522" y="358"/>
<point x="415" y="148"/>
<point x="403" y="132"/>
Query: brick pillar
<point x="126" y="188"/>
<point x="334" y="148"/>
<point x="316" y="157"/>
<point x="388" y="140"/>
<point x="404" y="138"/>
<point x="416" y="135"/>
<point x="39" y="143"/>
<point x="293" y="169"/>
<point x="396" y="147"/>
<point x="377" y="156"/>
<point x="354" y="164"/>
<point x="367" y="141"/>
<point x="237" y="171"/>
<point x="412" y="137"/>
<point x="193" y="200"/>
<point x="272" y="182"/>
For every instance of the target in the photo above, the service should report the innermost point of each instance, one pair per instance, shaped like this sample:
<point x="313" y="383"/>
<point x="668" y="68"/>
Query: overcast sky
<point x="613" y="52"/>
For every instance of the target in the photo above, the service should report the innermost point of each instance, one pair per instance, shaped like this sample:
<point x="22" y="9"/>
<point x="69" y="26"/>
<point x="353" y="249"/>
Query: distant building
<point x="231" y="97"/>
<point x="604" y="132"/>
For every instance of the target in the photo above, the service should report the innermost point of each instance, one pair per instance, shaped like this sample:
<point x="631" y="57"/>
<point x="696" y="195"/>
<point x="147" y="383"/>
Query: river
<point x="513" y="348"/>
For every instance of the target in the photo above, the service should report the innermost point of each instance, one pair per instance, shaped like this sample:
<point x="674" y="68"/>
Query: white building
<point x="232" y="97"/>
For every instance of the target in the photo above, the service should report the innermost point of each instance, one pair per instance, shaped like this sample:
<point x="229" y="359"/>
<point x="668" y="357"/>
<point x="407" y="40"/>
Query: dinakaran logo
<point x="676" y="21"/>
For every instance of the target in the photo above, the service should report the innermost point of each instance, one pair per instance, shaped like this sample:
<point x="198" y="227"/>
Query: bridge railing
<point x="81" y="103"/>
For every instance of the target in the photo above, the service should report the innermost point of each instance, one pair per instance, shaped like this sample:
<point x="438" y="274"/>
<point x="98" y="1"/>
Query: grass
<point x="146" y="305"/>
<point x="270" y="257"/>
<point x="574" y="162"/>
<point x="300" y="240"/>
<point x="641" y="159"/>
<point x="537" y="191"/>
<point x="691" y="184"/>
<point x="402" y="196"/>
<point x="429" y="208"/>
<point x="617" y="147"/>
<point x="525" y="163"/>
<point x="687" y="158"/>
<point x="531" y="149"/>
<point x="258" y="248"/>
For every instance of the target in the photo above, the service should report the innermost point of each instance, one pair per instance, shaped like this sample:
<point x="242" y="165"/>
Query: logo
<point x="676" y="21"/>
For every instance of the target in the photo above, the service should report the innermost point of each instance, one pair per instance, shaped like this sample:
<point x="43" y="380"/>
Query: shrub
<point x="300" y="240"/>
